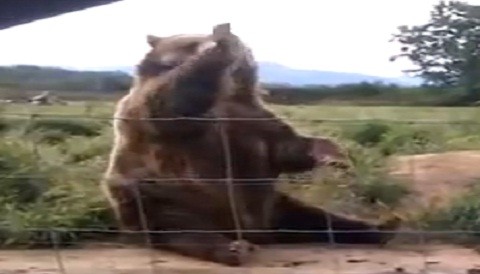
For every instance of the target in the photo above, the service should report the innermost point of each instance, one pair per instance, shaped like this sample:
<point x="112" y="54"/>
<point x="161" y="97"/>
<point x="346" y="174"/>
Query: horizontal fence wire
<point x="186" y="180"/>
<point x="240" y="119"/>
<point x="253" y="231"/>
<point x="207" y="181"/>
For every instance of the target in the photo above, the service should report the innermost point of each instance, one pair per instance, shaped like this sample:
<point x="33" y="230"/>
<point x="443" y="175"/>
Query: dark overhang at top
<point x="18" y="12"/>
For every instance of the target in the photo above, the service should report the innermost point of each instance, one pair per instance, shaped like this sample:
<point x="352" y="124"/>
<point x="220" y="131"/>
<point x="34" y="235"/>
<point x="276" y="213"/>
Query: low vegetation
<point x="50" y="167"/>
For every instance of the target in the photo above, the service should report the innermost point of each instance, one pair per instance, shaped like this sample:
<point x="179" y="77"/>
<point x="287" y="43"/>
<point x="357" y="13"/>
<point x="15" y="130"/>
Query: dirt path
<point x="305" y="260"/>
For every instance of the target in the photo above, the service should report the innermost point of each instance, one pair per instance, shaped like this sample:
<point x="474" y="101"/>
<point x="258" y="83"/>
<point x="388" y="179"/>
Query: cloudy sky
<point x="340" y="35"/>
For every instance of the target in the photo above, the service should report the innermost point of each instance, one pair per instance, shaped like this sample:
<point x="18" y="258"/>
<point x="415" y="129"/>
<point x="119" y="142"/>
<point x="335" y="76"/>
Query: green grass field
<point x="306" y="112"/>
<point x="51" y="164"/>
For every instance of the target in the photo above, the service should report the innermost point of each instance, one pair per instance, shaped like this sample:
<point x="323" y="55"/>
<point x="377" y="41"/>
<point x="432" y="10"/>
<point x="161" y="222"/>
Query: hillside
<point x="27" y="77"/>
<point x="279" y="74"/>
<point x="285" y="85"/>
<point x="275" y="73"/>
<point x="108" y="79"/>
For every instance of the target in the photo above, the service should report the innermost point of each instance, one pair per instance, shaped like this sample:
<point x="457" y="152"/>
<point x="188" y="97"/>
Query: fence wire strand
<point x="247" y="119"/>
<point x="58" y="253"/>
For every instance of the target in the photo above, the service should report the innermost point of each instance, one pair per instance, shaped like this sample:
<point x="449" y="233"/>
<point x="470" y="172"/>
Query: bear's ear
<point x="152" y="40"/>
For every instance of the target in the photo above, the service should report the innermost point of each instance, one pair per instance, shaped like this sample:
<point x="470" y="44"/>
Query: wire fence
<point x="462" y="224"/>
<point x="233" y="119"/>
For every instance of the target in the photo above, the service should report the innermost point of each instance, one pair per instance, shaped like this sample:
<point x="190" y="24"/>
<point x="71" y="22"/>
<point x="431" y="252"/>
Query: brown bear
<point x="196" y="156"/>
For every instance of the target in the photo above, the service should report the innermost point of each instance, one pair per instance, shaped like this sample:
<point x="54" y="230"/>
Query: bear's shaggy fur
<point x="170" y="173"/>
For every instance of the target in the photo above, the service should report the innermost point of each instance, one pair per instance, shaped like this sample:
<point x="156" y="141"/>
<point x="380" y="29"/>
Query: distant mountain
<point x="279" y="74"/>
<point x="275" y="73"/>
<point x="30" y="77"/>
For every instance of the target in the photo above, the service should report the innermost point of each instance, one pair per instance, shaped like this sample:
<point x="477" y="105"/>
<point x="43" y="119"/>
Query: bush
<point x="65" y="205"/>
<point x="49" y="136"/>
<point x="75" y="128"/>
<point x="390" y="139"/>
<point x="408" y="140"/>
<point x="78" y="149"/>
<point x="372" y="185"/>
<point x="3" y="125"/>
<point x="380" y="189"/>
<point x="19" y="172"/>
<point x="40" y="191"/>
<point x="368" y="134"/>
<point x="462" y="214"/>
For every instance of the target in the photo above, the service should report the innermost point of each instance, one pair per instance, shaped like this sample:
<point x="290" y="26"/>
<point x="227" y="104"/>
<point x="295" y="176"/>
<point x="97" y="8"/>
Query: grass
<point x="302" y="112"/>
<point x="378" y="112"/>
<point x="50" y="166"/>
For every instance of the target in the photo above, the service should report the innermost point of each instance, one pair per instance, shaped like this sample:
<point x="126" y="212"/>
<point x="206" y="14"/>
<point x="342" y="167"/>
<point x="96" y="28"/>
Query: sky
<point x="340" y="35"/>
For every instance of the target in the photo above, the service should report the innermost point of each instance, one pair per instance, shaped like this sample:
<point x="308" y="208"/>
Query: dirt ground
<point x="435" y="178"/>
<point x="293" y="259"/>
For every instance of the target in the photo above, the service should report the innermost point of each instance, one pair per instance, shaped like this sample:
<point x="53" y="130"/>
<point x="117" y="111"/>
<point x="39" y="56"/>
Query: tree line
<point x="32" y="78"/>
<point x="25" y="80"/>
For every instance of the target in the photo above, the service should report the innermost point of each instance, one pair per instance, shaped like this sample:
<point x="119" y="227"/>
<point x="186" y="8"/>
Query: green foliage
<point x="32" y="224"/>
<point x="391" y="139"/>
<point x="53" y="136"/>
<point x="40" y="190"/>
<point x="3" y="125"/>
<point x="50" y="169"/>
<point x="461" y="214"/>
<point x="54" y="127"/>
<point x="372" y="184"/>
<point x="404" y="139"/>
<point x="80" y="149"/>
<point x="19" y="172"/>
<point x="445" y="49"/>
<point x="368" y="134"/>
<point x="381" y="189"/>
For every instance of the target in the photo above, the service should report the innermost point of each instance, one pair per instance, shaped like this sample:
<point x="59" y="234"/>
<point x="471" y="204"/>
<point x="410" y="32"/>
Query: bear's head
<point x="169" y="52"/>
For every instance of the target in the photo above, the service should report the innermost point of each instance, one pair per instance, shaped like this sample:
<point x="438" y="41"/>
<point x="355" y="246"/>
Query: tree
<point x="446" y="49"/>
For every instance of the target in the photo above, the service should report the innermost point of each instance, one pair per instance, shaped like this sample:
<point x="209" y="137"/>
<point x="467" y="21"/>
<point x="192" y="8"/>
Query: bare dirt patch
<point x="292" y="259"/>
<point x="437" y="178"/>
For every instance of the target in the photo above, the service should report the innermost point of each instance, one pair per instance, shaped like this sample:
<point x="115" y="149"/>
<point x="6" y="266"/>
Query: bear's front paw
<point x="221" y="31"/>
<point x="327" y="153"/>
<point x="228" y="42"/>
<point x="237" y="253"/>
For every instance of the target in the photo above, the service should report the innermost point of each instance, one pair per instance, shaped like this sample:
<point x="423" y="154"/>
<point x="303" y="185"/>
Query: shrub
<point x="40" y="191"/>
<point x="372" y="184"/>
<point x="19" y="172"/>
<point x="52" y="137"/>
<point x="408" y="140"/>
<point x="70" y="127"/>
<point x="380" y="189"/>
<point x="368" y="134"/>
<point x="3" y="125"/>
<point x="461" y="214"/>
<point x="78" y="149"/>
